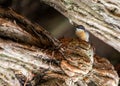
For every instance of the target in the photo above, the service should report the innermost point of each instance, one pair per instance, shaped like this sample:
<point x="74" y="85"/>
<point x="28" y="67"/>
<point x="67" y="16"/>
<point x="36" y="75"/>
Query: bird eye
<point x="80" y="27"/>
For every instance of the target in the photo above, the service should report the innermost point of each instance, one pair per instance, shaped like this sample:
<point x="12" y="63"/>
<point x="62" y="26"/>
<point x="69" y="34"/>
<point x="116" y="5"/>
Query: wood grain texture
<point x="37" y="65"/>
<point x="24" y="61"/>
<point x="100" y="17"/>
<point x="36" y="35"/>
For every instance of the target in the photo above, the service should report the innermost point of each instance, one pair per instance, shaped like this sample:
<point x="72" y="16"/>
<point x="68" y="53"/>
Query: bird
<point x="82" y="33"/>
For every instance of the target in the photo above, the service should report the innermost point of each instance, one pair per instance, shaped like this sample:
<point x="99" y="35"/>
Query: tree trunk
<point x="100" y="17"/>
<point x="30" y="56"/>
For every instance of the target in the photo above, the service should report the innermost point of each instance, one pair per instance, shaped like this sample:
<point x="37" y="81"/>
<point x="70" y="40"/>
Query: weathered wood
<point x="100" y="17"/>
<point x="23" y="59"/>
<point x="74" y="63"/>
<point x="35" y="34"/>
<point x="33" y="62"/>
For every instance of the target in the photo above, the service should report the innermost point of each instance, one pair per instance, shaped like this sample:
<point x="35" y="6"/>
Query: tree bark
<point x="30" y="56"/>
<point x="100" y="17"/>
<point x="36" y="35"/>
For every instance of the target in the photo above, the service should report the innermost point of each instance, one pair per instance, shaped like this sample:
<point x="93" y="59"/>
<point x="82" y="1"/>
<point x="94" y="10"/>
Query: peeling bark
<point x="36" y="35"/>
<point x="24" y="60"/>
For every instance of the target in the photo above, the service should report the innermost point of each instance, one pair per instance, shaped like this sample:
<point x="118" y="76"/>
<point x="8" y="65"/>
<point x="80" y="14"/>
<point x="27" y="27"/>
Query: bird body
<point x="82" y="33"/>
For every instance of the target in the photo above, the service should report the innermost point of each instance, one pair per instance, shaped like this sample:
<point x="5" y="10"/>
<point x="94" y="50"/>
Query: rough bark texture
<point x="100" y="17"/>
<point x="35" y="34"/>
<point x="25" y="60"/>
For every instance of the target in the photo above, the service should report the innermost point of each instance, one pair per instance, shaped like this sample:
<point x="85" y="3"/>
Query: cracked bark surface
<point x="29" y="56"/>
